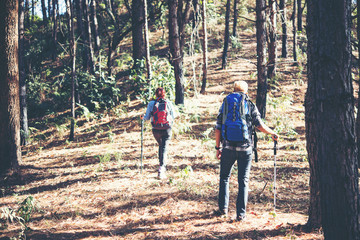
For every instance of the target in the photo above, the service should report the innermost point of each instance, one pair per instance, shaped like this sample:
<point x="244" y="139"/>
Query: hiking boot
<point x="240" y="218"/>
<point x="221" y="213"/>
<point x="162" y="173"/>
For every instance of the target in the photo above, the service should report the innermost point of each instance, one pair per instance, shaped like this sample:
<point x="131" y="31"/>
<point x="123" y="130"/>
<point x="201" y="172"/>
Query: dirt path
<point x="92" y="188"/>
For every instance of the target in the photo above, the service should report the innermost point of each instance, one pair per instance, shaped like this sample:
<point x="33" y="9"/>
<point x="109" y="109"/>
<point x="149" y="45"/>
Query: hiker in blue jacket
<point x="162" y="115"/>
<point x="236" y="119"/>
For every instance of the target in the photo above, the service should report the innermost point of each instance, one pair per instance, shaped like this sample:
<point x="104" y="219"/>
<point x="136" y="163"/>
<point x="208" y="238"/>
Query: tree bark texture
<point x="272" y="40"/>
<point x="43" y="10"/>
<point x="205" y="49"/>
<point x="55" y="28"/>
<point x="236" y="13"/>
<point x="183" y="15"/>
<point x="95" y="26"/>
<point x="294" y="32"/>
<point x="261" y="57"/>
<point x="227" y="35"/>
<point x="358" y="113"/>
<point x="89" y="44"/>
<point x="282" y="7"/>
<point x="175" y="51"/>
<point x="49" y="9"/>
<point x="147" y="45"/>
<point x="330" y="117"/>
<point x="24" y="133"/>
<point x="299" y="16"/>
<point x="137" y="16"/>
<point x="10" y="153"/>
<point x="70" y="13"/>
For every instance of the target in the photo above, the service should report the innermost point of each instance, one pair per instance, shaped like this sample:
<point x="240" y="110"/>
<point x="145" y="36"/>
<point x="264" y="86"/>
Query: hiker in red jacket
<point x="161" y="112"/>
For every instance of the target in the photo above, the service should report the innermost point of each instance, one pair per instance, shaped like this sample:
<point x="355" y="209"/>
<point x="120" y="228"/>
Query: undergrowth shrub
<point x="20" y="216"/>
<point x="162" y="76"/>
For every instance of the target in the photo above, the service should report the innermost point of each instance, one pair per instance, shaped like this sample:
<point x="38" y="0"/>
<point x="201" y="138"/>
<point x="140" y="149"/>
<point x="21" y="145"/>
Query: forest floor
<point x="93" y="187"/>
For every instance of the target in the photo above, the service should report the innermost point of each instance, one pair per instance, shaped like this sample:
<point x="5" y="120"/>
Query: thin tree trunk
<point x="43" y="9"/>
<point x="205" y="49"/>
<point x="272" y="40"/>
<point x="227" y="35"/>
<point x="236" y="13"/>
<point x="330" y="95"/>
<point x="32" y="10"/>
<point x="90" y="48"/>
<point x="69" y="9"/>
<point x="50" y="9"/>
<point x="147" y="45"/>
<point x="95" y="26"/>
<point x="24" y="133"/>
<point x="294" y="34"/>
<point x="282" y="7"/>
<point x="261" y="57"/>
<point x="55" y="29"/>
<point x="137" y="32"/>
<point x="299" y="16"/>
<point x="10" y="150"/>
<point x="175" y="50"/>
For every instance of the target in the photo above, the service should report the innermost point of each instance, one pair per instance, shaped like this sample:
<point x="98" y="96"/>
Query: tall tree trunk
<point x="205" y="49"/>
<point x="294" y="33"/>
<point x="70" y="13"/>
<point x="10" y="150"/>
<point x="261" y="57"/>
<point x="330" y="95"/>
<point x="147" y="45"/>
<point x="282" y="7"/>
<point x="89" y="47"/>
<point x="27" y="14"/>
<point x="358" y="112"/>
<point x="33" y="2"/>
<point x="24" y="133"/>
<point x="236" y="13"/>
<point x="55" y="28"/>
<point x="272" y="40"/>
<point x="183" y="18"/>
<point x="43" y="9"/>
<point x="299" y="16"/>
<point x="50" y="9"/>
<point x="137" y="17"/>
<point x="95" y="26"/>
<point x="227" y="35"/>
<point x="175" y="51"/>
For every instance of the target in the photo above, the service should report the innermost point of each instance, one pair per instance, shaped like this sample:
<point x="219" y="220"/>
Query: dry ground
<point x="92" y="188"/>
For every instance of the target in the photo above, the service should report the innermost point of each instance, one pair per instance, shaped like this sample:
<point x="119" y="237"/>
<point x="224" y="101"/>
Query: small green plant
<point x="235" y="43"/>
<point x="185" y="173"/>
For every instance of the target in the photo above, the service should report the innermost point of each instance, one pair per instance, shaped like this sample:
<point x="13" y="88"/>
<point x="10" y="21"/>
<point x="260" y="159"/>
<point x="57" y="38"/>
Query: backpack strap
<point x="225" y="110"/>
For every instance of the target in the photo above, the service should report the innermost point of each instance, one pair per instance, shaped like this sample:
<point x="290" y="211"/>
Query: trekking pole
<point x="275" y="142"/>
<point x="142" y="144"/>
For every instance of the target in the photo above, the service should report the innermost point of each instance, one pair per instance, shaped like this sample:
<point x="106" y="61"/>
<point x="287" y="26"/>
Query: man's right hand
<point x="218" y="153"/>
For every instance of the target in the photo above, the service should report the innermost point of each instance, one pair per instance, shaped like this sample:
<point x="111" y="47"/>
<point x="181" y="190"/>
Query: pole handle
<point x="275" y="147"/>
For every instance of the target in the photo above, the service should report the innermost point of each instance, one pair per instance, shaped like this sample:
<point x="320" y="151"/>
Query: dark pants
<point x="228" y="158"/>
<point x="163" y="138"/>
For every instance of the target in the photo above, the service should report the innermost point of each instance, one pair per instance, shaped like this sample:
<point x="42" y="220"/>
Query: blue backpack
<point x="236" y="114"/>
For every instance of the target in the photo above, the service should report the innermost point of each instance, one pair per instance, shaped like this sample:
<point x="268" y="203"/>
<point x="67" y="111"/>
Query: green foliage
<point x="27" y="207"/>
<point x="20" y="216"/>
<point x="98" y="92"/>
<point x="235" y="43"/>
<point x="162" y="76"/>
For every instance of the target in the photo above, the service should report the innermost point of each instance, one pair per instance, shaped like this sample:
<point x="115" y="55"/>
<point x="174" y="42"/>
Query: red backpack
<point x="160" y="113"/>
